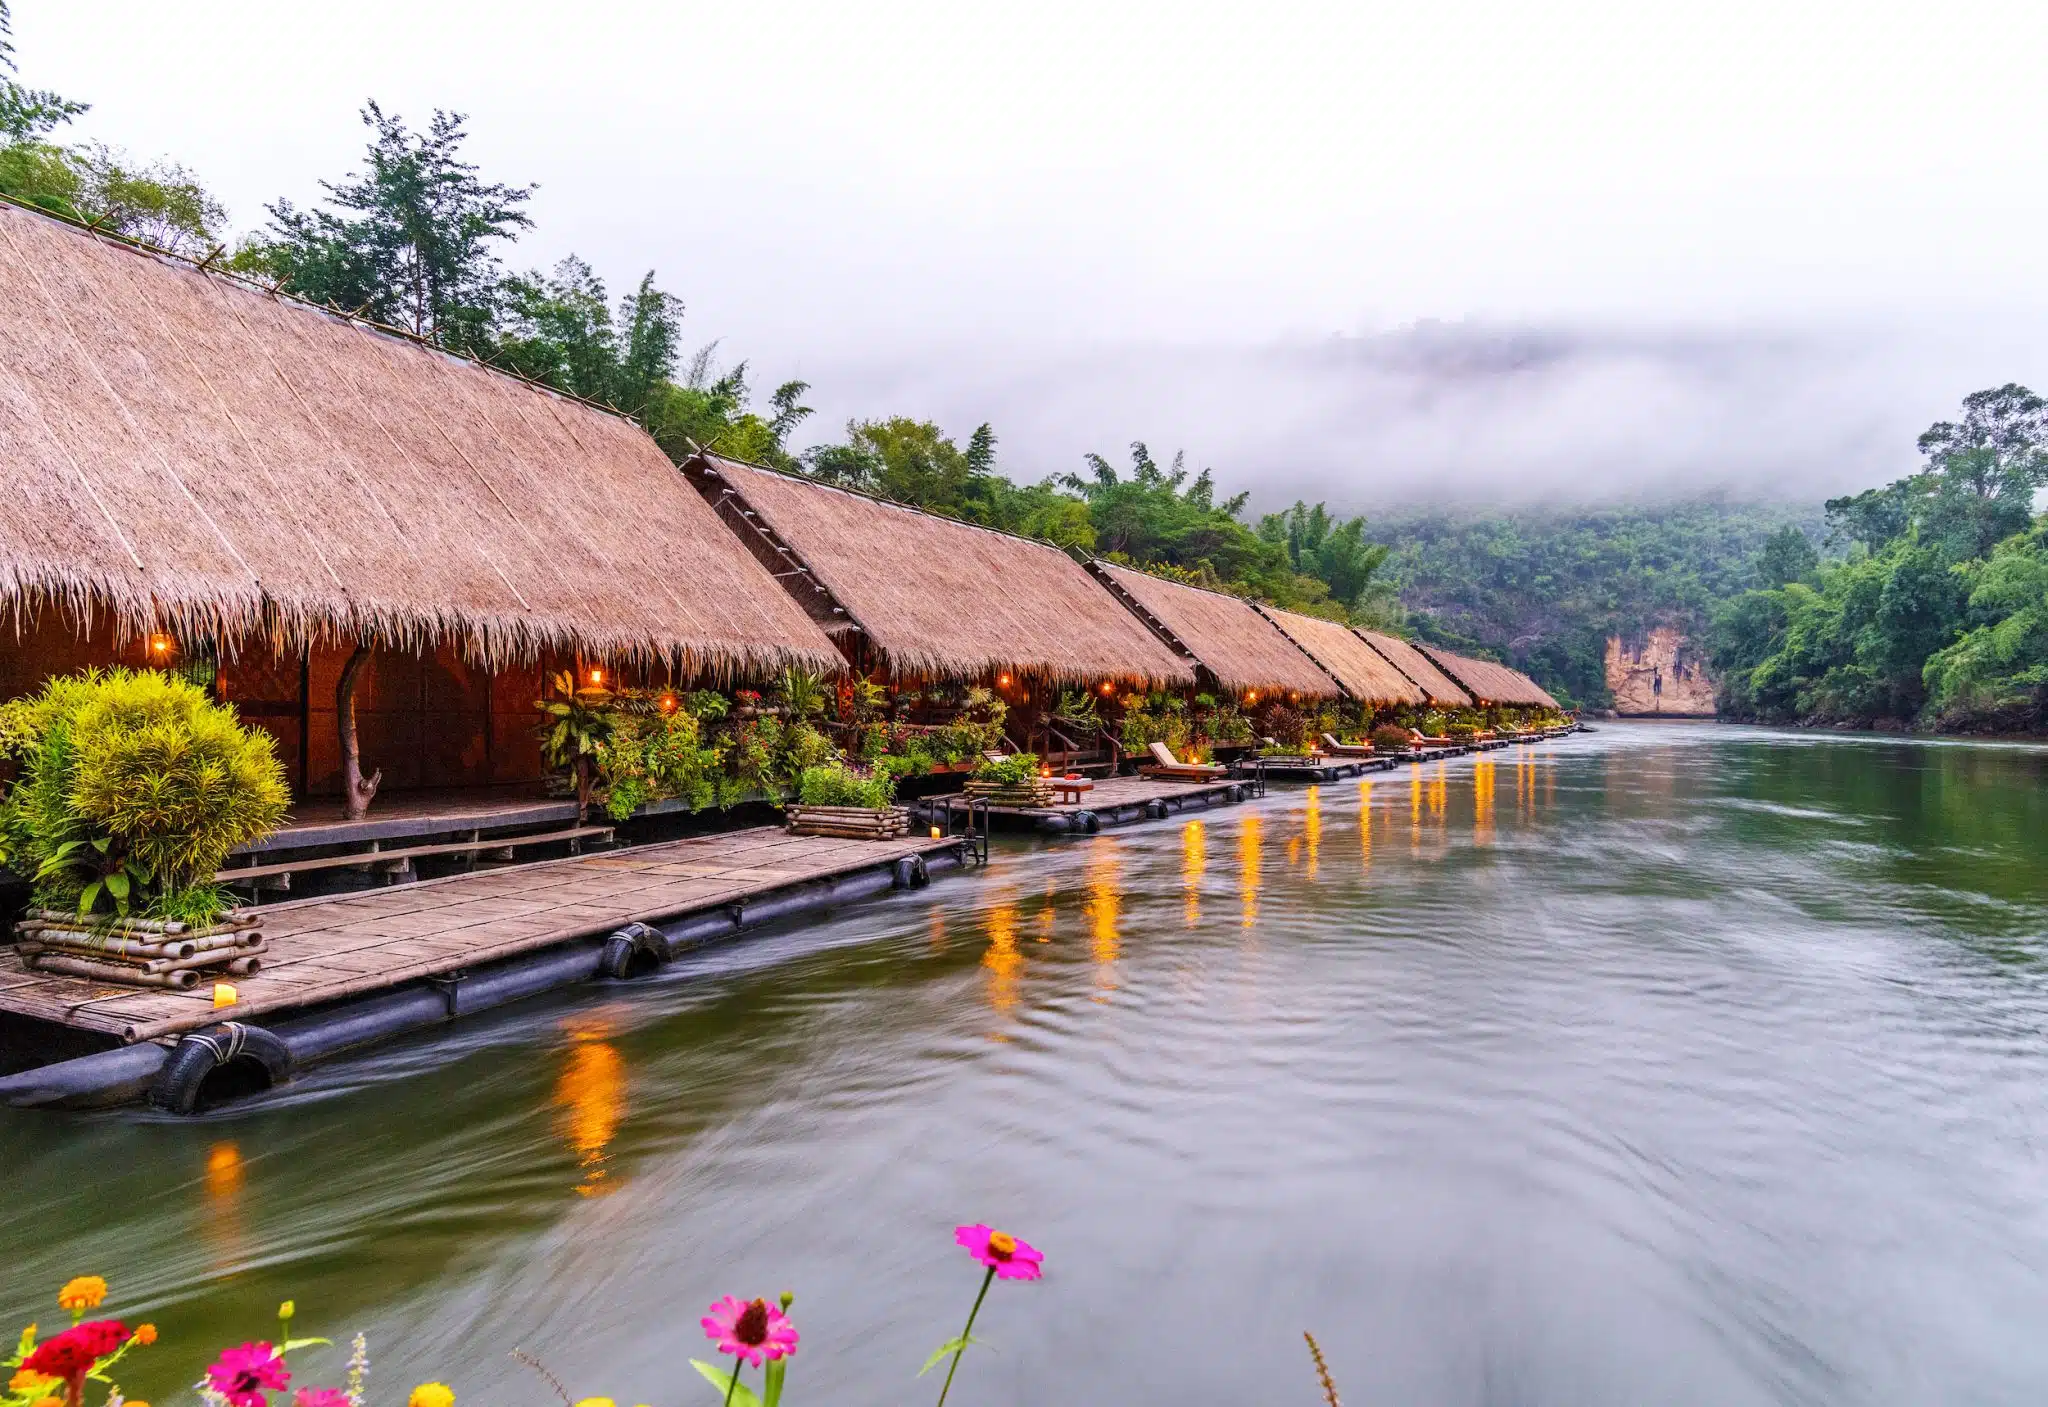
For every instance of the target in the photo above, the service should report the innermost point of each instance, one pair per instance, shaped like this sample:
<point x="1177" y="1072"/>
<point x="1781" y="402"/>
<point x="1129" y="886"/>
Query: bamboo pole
<point x="181" y="979"/>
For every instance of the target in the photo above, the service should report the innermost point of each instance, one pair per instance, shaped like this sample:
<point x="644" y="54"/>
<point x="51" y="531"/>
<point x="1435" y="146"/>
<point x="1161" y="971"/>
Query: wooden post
<point x="356" y="789"/>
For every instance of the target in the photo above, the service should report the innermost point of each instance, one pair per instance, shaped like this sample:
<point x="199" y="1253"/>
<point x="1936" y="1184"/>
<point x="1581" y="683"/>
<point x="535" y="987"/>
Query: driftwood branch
<point x="357" y="791"/>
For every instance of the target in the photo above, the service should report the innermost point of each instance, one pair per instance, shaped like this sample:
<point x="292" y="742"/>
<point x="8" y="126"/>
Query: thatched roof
<point x="1364" y="673"/>
<point x="1489" y="682"/>
<point x="195" y="454"/>
<point x="1225" y="634"/>
<point x="1441" y="688"/>
<point x="938" y="597"/>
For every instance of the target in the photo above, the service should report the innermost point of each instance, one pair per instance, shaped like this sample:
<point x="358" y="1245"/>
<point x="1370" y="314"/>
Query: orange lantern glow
<point x="1251" y="696"/>
<point x="160" y="645"/>
<point x="1108" y="688"/>
<point x="1003" y="680"/>
<point x="668" y="703"/>
<point x="596" y="676"/>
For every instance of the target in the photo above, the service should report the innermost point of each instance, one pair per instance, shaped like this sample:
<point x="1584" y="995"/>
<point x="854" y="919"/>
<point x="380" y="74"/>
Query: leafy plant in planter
<point x="800" y="693"/>
<point x="575" y="724"/>
<point x="1388" y="738"/>
<point x="1016" y="770"/>
<point x="835" y="785"/>
<point x="657" y="749"/>
<point x="1461" y="732"/>
<point x="1285" y="725"/>
<point x="133" y="787"/>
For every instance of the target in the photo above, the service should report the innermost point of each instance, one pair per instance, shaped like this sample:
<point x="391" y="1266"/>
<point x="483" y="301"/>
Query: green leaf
<point x="721" y="1379"/>
<point x="117" y="885"/>
<point x="946" y="1350"/>
<point x="88" y="897"/>
<point x="289" y="1344"/>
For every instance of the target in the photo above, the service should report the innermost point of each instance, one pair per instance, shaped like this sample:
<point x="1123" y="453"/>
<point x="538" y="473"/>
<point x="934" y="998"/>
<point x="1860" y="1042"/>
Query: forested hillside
<point x="1935" y="613"/>
<point x="1546" y="589"/>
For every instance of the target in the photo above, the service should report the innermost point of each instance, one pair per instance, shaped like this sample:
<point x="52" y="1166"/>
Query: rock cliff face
<point x="1659" y="675"/>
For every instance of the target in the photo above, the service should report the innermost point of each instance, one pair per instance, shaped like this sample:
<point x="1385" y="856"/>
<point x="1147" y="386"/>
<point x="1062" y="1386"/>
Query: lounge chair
<point x="1337" y="749"/>
<point x="1165" y="764"/>
<point x="1420" y="741"/>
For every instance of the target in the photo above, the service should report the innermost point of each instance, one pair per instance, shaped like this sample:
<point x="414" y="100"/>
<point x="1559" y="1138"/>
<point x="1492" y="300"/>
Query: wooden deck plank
<point x="339" y="945"/>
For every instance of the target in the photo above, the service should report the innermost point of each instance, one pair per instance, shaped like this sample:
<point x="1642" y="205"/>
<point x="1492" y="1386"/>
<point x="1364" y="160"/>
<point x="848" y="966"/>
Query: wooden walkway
<point x="326" y="949"/>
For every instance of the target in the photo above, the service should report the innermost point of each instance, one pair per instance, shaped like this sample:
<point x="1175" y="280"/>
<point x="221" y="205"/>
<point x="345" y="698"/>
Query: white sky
<point x="1759" y="245"/>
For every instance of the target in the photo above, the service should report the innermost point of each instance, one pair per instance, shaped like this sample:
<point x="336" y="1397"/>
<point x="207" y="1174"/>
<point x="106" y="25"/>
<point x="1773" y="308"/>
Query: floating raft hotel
<point x="378" y="553"/>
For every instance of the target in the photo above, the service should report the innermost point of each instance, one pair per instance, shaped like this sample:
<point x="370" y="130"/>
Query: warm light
<point x="1252" y="696"/>
<point x="1045" y="771"/>
<point x="935" y="832"/>
<point x="1003" y="680"/>
<point x="160" y="644"/>
<point x="1108" y="688"/>
<point x="597" y="676"/>
<point x="668" y="703"/>
<point x="224" y="994"/>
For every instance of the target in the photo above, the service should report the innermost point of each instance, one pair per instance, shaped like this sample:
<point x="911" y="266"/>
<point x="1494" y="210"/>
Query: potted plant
<point x="1011" y="781"/>
<point x="1388" y="738"/>
<point x="833" y="799"/>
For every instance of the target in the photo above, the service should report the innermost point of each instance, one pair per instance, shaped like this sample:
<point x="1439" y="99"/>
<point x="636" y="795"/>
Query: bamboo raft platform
<point x="445" y="935"/>
<point x="1110" y="801"/>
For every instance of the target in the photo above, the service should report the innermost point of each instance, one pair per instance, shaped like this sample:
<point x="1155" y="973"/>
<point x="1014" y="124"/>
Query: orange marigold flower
<point x="85" y="1292"/>
<point x="25" y="1381"/>
<point x="47" y="1402"/>
<point x="145" y="1335"/>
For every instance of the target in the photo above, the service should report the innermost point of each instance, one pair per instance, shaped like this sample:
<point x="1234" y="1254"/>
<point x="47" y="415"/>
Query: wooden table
<point x="1070" y="789"/>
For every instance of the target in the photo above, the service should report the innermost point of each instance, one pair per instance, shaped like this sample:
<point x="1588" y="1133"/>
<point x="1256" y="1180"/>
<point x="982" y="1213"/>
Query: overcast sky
<point x="1358" y="251"/>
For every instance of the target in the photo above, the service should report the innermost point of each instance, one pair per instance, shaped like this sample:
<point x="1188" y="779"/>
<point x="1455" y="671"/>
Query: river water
<point x="1671" y="1064"/>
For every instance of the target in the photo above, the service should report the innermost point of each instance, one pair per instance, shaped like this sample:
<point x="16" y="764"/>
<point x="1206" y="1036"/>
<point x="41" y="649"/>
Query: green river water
<point x="1672" y="1064"/>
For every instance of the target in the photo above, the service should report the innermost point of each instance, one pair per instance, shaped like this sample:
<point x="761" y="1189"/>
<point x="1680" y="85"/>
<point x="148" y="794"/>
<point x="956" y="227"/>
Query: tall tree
<point x="1786" y="556"/>
<point x="412" y="238"/>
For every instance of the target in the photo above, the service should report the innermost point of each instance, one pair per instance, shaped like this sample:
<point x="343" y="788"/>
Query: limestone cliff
<point x="1662" y="674"/>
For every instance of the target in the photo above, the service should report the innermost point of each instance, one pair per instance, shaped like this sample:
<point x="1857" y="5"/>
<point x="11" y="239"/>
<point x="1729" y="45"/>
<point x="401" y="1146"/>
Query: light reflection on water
<point x="1711" y="1071"/>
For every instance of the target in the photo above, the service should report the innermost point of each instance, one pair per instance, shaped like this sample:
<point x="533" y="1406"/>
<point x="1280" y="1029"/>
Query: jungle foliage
<point x="1935" y="612"/>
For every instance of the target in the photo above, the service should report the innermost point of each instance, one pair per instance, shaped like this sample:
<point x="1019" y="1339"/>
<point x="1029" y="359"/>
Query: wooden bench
<point x="409" y="853"/>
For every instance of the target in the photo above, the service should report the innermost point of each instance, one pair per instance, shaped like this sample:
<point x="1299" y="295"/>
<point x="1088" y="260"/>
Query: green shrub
<point x="134" y="786"/>
<point x="1012" y="771"/>
<point x="834" y="785"/>
<point x="1388" y="738"/>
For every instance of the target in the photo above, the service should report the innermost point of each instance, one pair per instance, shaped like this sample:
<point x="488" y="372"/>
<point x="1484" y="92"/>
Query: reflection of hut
<point x="200" y="471"/>
<point x="1489" y="683"/>
<point x="917" y="596"/>
<point x="1443" y="691"/>
<point x="1364" y="673"/>
<point x="1241" y="650"/>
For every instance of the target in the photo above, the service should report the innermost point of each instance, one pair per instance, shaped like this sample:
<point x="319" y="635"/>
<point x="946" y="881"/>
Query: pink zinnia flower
<point x="1008" y="1257"/>
<point x="242" y="1374"/>
<point x="754" y="1329"/>
<point x="320" y="1397"/>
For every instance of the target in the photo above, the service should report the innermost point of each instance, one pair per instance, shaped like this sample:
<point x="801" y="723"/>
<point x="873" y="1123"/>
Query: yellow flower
<point x="597" y="1402"/>
<point x="145" y="1335"/>
<point x="25" y="1382"/>
<point x="431" y="1395"/>
<point x="86" y="1292"/>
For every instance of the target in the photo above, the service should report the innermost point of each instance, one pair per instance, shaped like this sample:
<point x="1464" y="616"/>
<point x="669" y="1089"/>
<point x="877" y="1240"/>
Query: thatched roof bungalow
<point x="186" y="452"/>
<point x="1491" y="683"/>
<point x="1245" y="652"/>
<point x="1443" y="691"/>
<point x="1362" y="671"/>
<point x="921" y="595"/>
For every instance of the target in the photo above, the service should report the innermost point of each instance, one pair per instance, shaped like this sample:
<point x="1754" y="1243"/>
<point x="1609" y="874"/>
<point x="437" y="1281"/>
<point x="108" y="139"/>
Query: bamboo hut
<point x="1441" y="689"/>
<point x="921" y="596"/>
<point x="1364" y="674"/>
<point x="1491" y="684"/>
<point x="1242" y="651"/>
<point x="200" y="470"/>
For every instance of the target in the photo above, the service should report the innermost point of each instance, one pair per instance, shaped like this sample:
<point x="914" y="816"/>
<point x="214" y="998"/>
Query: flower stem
<point x="734" y="1386"/>
<point x="986" y="1281"/>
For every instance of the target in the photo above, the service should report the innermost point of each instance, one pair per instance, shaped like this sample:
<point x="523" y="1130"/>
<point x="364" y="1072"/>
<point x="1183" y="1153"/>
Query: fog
<point x="1499" y="253"/>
